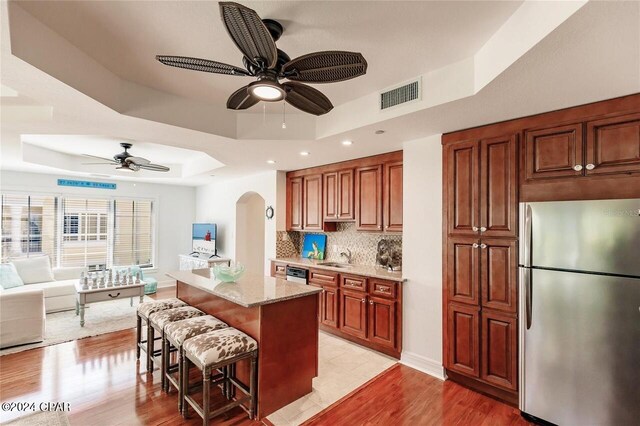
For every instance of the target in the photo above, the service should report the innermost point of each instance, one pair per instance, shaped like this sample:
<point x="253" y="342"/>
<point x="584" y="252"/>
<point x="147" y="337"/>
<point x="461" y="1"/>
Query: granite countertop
<point x="364" y="270"/>
<point x="248" y="291"/>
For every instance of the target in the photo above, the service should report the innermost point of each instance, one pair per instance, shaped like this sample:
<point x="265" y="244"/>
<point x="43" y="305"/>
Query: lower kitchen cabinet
<point x="382" y="321"/>
<point x="499" y="349"/>
<point x="329" y="306"/>
<point x="353" y="313"/>
<point x="464" y="339"/>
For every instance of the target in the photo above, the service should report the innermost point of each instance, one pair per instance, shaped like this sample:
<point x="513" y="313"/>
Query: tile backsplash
<point x="363" y="245"/>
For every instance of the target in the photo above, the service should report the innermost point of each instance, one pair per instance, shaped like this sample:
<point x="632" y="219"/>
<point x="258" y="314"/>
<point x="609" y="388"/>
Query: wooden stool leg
<point x="150" y="347"/>
<point x="180" y="388"/>
<point x="185" y="385"/>
<point x="138" y="335"/>
<point x="252" y="387"/>
<point x="164" y="354"/>
<point x="206" y="389"/>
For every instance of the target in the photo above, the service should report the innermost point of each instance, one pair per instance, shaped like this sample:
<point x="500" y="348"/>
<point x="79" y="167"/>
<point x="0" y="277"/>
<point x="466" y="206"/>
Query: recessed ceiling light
<point x="271" y="162"/>
<point x="347" y="143"/>
<point x="305" y="153"/>
<point x="379" y="132"/>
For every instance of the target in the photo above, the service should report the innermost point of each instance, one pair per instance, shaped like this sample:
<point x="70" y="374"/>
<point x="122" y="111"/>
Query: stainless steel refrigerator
<point x="580" y="311"/>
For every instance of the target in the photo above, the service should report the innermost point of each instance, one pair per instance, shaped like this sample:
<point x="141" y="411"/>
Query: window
<point x="95" y="233"/>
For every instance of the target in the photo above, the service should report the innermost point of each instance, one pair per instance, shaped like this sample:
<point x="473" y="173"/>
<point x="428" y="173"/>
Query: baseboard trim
<point x="166" y="283"/>
<point x="422" y="363"/>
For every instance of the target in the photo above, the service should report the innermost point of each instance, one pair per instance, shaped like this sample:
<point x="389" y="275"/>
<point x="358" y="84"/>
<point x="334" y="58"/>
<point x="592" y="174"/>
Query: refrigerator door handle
<point x="526" y="240"/>
<point x="528" y="289"/>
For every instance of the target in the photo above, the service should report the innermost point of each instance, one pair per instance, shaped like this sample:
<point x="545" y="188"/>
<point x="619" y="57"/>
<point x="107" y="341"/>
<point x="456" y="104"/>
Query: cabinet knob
<point x="475" y="245"/>
<point x="474" y="228"/>
<point x="371" y="302"/>
<point x="482" y="229"/>
<point x="577" y="167"/>
<point x="483" y="246"/>
<point x="364" y="300"/>
<point x="590" y="166"/>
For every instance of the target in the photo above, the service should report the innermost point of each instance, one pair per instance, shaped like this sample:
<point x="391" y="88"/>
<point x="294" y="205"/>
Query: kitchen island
<point x="283" y="318"/>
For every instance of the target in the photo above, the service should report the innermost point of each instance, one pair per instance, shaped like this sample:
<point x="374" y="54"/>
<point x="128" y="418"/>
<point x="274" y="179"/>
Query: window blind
<point x="85" y="239"/>
<point x="133" y="232"/>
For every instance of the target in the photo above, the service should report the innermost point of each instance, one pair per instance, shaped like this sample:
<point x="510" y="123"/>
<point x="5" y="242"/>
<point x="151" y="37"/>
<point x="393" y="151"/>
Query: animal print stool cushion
<point x="217" y="346"/>
<point x="147" y="308"/>
<point x="180" y="331"/>
<point x="162" y="318"/>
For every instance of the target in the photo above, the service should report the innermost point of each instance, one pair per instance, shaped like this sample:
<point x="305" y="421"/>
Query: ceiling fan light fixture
<point x="125" y="168"/>
<point x="267" y="90"/>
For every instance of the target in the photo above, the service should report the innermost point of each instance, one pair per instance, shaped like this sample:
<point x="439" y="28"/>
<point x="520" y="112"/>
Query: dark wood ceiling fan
<point x="256" y="38"/>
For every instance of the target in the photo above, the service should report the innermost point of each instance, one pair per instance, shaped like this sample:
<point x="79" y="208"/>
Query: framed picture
<point x="314" y="246"/>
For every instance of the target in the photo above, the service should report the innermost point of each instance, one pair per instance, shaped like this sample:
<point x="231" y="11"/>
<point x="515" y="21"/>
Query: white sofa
<point x="22" y="317"/>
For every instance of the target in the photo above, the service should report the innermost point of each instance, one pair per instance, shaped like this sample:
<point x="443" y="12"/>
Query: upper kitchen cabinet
<point x="481" y="187"/>
<point x="312" y="203"/>
<point x="613" y="145"/>
<point x="553" y="152"/>
<point x="294" y="204"/>
<point x="369" y="198"/>
<point x="392" y="199"/>
<point x="338" y="195"/>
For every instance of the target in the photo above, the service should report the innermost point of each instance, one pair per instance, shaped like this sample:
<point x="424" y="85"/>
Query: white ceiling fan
<point x="127" y="162"/>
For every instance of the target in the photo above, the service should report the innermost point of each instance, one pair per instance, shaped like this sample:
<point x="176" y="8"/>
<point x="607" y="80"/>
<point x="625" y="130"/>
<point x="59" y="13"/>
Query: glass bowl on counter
<point x="228" y="274"/>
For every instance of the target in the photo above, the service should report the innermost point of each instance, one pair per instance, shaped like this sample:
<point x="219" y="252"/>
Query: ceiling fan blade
<point x="307" y="99"/>
<point x="325" y="67"/>
<point x="111" y="160"/>
<point x="198" y="64"/>
<point x="249" y="33"/>
<point x="138" y="161"/>
<point x="241" y="99"/>
<point x="153" y="167"/>
<point x="97" y="164"/>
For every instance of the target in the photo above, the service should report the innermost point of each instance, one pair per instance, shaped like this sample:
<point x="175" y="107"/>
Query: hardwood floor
<point x="104" y="385"/>
<point x="404" y="396"/>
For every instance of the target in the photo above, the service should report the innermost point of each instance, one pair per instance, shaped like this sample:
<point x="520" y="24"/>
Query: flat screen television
<point x="203" y="238"/>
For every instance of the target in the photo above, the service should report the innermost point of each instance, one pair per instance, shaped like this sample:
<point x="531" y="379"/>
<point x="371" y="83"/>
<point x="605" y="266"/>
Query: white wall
<point x="250" y="224"/>
<point x="422" y="255"/>
<point x="216" y="203"/>
<point x="175" y="209"/>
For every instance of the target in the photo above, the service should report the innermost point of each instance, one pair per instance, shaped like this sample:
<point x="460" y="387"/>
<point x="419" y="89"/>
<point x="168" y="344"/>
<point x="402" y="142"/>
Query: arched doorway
<point x="250" y="209"/>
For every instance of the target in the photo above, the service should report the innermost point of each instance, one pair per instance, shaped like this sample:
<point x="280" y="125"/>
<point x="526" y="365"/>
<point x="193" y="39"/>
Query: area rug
<point x="343" y="367"/>
<point x="42" y="418"/>
<point x="99" y="318"/>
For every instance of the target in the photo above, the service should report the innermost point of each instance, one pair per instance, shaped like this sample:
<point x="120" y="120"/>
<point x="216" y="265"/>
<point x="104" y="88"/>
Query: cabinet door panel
<point x="382" y="321"/>
<point x="553" y="152"/>
<point x="462" y="182"/>
<point x="329" y="313"/>
<point x="369" y="198"/>
<point x="498" y="274"/>
<point x="294" y="216"/>
<point x="353" y="313"/>
<point x="320" y="301"/>
<point x="499" y="181"/>
<point x="330" y="190"/>
<point x="464" y="339"/>
<point x="393" y="197"/>
<point x="613" y="145"/>
<point x="312" y="212"/>
<point x="345" y="195"/>
<point x="499" y="349"/>
<point x="463" y="270"/>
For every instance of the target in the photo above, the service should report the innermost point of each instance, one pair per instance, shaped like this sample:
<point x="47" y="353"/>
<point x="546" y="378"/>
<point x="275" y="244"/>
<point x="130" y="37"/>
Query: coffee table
<point x="104" y="294"/>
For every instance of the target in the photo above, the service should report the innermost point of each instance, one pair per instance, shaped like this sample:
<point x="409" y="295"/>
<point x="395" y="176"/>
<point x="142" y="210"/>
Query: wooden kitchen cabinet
<point x="499" y="349"/>
<point x="463" y="336"/>
<point x="392" y="199"/>
<point x="329" y="306"/>
<point x="553" y="152"/>
<point x="312" y="202"/>
<point x="278" y="270"/>
<point x="499" y="274"/>
<point x="338" y="195"/>
<point x="462" y="187"/>
<point x="382" y="321"/>
<point x="613" y="145"/>
<point x="294" y="204"/>
<point x="463" y="270"/>
<point x="368" y="196"/>
<point x="353" y="313"/>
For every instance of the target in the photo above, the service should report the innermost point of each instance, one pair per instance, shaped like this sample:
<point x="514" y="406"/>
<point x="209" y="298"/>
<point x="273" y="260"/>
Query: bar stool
<point x="175" y="334"/>
<point x="143" y="311"/>
<point x="215" y="351"/>
<point x="159" y="320"/>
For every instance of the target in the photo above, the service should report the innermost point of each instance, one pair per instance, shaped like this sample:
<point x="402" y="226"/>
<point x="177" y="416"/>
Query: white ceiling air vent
<point x="407" y="92"/>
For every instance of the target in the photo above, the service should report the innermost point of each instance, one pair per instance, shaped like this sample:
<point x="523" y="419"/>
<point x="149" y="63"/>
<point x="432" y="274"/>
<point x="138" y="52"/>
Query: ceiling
<point x="399" y="39"/>
<point x="54" y="82"/>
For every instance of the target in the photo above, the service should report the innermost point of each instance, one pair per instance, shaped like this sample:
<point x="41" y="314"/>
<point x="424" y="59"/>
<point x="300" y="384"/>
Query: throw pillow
<point x="34" y="270"/>
<point x="9" y="277"/>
